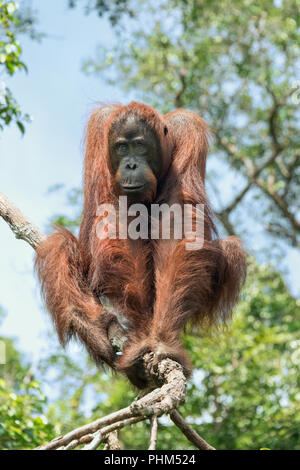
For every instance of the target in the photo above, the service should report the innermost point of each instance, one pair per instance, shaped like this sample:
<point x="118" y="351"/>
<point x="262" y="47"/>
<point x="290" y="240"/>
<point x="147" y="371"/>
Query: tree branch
<point x="166" y="372"/>
<point x="21" y="227"/>
<point x="182" y="79"/>
<point x="112" y="441"/>
<point x="252" y="174"/>
<point x="88" y="437"/>
<point x="277" y="229"/>
<point x="280" y="203"/>
<point x="153" y="432"/>
<point x="189" y="432"/>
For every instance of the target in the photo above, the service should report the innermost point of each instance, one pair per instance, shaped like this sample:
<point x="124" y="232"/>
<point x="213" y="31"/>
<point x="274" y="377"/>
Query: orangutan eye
<point x="122" y="147"/>
<point x="140" y="145"/>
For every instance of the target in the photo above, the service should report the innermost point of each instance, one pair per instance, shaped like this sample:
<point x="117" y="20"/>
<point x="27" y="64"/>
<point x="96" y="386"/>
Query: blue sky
<point x="59" y="97"/>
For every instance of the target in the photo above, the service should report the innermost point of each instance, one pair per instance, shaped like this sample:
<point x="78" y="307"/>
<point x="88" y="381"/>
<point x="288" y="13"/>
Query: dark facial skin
<point x="135" y="158"/>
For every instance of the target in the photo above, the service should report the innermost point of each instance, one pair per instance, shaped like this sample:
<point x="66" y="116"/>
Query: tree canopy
<point x="14" y="22"/>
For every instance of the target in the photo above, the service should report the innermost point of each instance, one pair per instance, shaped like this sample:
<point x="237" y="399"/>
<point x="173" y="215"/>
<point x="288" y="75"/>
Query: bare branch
<point x="21" y="227"/>
<point x="252" y="174"/>
<point x="157" y="402"/>
<point x="290" y="169"/>
<point x="105" y="432"/>
<point x="223" y="216"/>
<point x="112" y="441"/>
<point x="252" y="171"/>
<point x="178" y="97"/>
<point x="95" y="443"/>
<point x="153" y="433"/>
<point x="189" y="432"/>
<point x="282" y="232"/>
<point x="90" y="428"/>
<point x="280" y="203"/>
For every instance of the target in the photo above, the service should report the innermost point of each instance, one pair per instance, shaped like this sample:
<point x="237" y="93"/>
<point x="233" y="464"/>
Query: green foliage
<point x="250" y="383"/>
<point x="10" y="63"/>
<point x="23" y="424"/>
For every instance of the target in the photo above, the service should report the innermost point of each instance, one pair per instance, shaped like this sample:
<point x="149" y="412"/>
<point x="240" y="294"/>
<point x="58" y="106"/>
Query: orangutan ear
<point x="165" y="130"/>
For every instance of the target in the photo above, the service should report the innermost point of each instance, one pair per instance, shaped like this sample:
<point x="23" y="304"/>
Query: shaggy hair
<point x="154" y="287"/>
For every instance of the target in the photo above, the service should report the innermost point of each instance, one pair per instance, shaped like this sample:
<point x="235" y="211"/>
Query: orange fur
<point x="154" y="286"/>
<point x="200" y="286"/>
